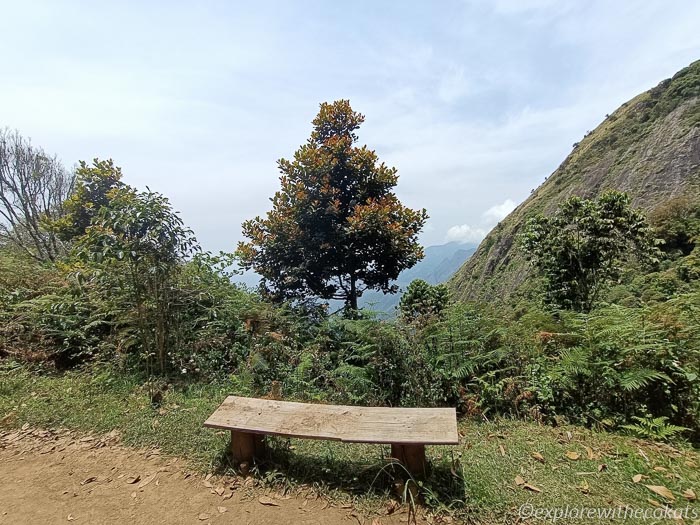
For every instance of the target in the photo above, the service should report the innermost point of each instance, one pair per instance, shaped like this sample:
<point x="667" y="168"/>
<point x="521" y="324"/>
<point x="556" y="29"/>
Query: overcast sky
<point x="475" y="102"/>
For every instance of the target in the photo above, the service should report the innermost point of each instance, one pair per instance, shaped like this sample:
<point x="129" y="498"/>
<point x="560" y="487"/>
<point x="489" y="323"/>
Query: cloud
<point x="465" y="233"/>
<point x="491" y="217"/>
<point x="497" y="213"/>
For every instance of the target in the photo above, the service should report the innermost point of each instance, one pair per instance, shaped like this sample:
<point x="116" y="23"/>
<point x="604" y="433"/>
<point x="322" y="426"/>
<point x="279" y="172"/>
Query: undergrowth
<point x="475" y="481"/>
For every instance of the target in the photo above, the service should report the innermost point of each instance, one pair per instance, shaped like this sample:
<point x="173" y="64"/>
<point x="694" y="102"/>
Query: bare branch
<point x="33" y="187"/>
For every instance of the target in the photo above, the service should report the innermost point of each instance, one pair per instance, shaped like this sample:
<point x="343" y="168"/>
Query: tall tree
<point x="33" y="186"/>
<point x="140" y="242"/>
<point x="584" y="245"/>
<point x="335" y="228"/>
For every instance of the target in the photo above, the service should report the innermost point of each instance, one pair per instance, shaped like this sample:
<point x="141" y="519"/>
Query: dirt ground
<point x="62" y="477"/>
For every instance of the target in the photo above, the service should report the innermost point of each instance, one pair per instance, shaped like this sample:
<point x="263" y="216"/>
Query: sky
<point x="475" y="102"/>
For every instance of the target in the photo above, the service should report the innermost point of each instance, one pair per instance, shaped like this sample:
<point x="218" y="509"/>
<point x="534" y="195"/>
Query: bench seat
<point x="408" y="430"/>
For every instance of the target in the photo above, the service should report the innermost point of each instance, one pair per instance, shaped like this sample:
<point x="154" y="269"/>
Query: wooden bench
<point x="407" y="430"/>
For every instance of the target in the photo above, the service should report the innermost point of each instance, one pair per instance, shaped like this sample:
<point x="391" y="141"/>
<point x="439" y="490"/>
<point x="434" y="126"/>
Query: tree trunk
<point x="352" y="298"/>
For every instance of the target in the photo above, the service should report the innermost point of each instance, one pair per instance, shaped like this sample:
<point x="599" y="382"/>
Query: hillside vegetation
<point x="648" y="148"/>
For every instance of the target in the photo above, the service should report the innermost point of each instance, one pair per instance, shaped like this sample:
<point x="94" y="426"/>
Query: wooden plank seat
<point x="407" y="430"/>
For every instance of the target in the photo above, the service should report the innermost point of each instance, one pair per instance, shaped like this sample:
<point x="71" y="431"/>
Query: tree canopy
<point x="336" y="228"/>
<point x="137" y="244"/>
<point x="423" y="301"/>
<point x="583" y="246"/>
<point x="94" y="186"/>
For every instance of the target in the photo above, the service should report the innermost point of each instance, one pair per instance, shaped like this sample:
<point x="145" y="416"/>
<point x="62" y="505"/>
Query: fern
<point x="656" y="428"/>
<point x="576" y="361"/>
<point x="637" y="379"/>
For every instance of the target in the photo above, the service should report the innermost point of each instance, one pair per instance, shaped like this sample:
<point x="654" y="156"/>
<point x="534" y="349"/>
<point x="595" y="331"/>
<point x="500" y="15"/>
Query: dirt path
<point x="62" y="477"/>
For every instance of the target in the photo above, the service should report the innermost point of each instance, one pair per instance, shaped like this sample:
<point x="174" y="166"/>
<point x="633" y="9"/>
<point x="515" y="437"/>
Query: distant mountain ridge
<point x="649" y="148"/>
<point x="438" y="265"/>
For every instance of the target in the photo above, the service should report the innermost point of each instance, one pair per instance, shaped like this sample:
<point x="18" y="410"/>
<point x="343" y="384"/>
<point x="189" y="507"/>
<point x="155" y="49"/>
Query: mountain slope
<point x="649" y="148"/>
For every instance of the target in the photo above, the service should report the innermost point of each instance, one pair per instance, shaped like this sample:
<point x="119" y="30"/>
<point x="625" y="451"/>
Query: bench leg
<point x="412" y="457"/>
<point x="246" y="446"/>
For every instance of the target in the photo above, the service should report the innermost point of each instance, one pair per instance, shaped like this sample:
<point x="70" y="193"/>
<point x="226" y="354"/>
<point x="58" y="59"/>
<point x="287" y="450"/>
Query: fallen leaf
<point x="221" y="509"/>
<point x="583" y="487"/>
<point x="569" y="435"/>
<point x="146" y="481"/>
<point x="88" y="480"/>
<point x="519" y="480"/>
<point x="661" y="491"/>
<point x="689" y="463"/>
<point x="133" y="479"/>
<point x="689" y="494"/>
<point x="602" y="467"/>
<point x="655" y="503"/>
<point x="537" y="456"/>
<point x="219" y="491"/>
<point x="573" y="456"/>
<point x="264" y="500"/>
<point x="589" y="451"/>
<point x="531" y="488"/>
<point x="637" y="478"/>
<point x="503" y="450"/>
<point x="228" y="495"/>
<point x="203" y="516"/>
<point x="660" y="469"/>
<point x="25" y="427"/>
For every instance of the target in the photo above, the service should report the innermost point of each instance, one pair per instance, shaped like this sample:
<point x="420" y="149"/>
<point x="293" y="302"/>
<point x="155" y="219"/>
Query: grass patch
<point x="475" y="481"/>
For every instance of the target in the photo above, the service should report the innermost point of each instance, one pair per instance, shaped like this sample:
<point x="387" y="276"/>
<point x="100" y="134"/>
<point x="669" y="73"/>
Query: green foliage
<point x="616" y="363"/>
<point x="335" y="228"/>
<point x="138" y="244"/>
<point x="93" y="189"/>
<point x="140" y="228"/>
<point x="422" y="302"/>
<point x="137" y="291"/>
<point x="656" y="428"/>
<point x="677" y="223"/>
<point x="583" y="246"/>
<point x="43" y="315"/>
